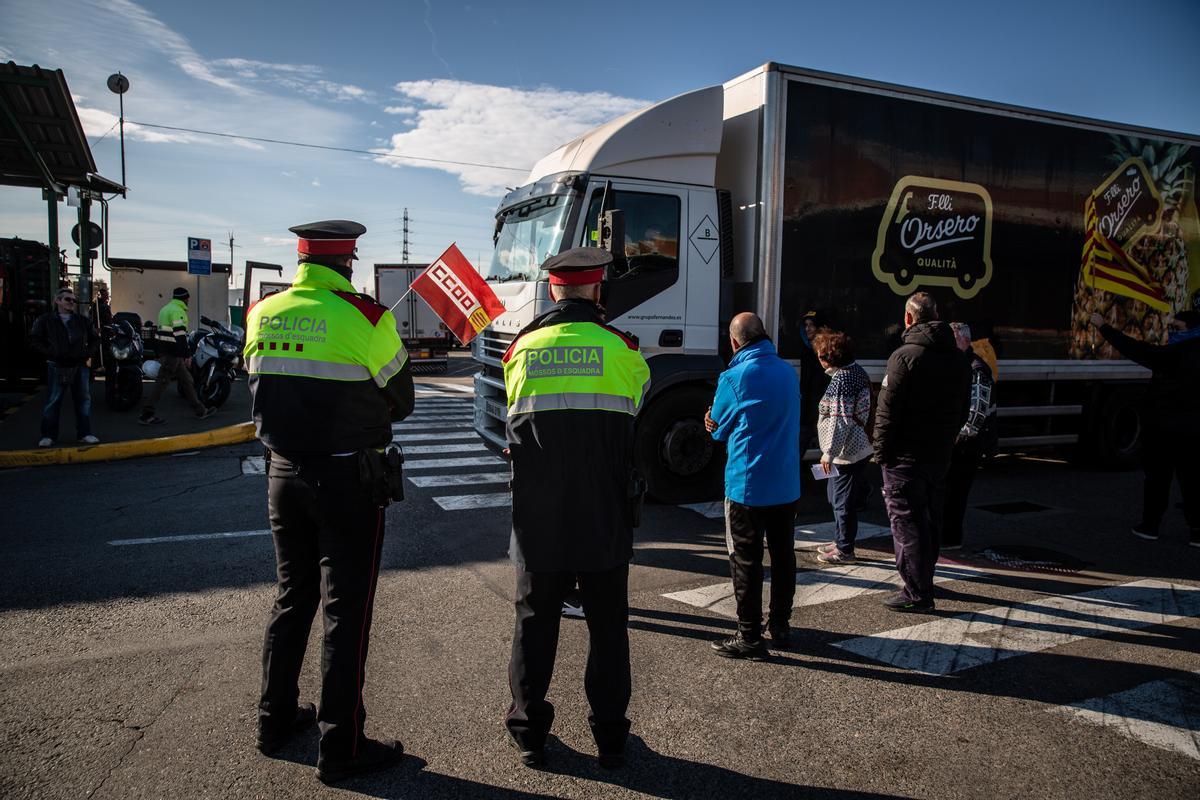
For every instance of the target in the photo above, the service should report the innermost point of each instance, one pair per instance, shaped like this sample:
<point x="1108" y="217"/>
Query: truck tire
<point x="680" y="461"/>
<point x="1115" y="433"/>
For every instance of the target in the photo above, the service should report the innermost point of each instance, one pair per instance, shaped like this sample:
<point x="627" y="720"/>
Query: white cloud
<point x="503" y="126"/>
<point x="279" y="241"/>
<point x="171" y="83"/>
<point x="288" y="174"/>
<point x="316" y="182"/>
<point x="400" y="110"/>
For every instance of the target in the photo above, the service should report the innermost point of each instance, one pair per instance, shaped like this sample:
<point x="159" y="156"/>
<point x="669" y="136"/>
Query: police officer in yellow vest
<point x="329" y="375"/>
<point x="174" y="358"/>
<point x="574" y="385"/>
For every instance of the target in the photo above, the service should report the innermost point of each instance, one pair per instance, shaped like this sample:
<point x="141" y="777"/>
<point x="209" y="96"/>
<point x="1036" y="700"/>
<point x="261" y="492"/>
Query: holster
<point x="636" y="495"/>
<point x="382" y="473"/>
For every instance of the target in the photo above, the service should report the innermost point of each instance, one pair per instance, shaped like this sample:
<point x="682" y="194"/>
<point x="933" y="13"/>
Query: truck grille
<point x="492" y="346"/>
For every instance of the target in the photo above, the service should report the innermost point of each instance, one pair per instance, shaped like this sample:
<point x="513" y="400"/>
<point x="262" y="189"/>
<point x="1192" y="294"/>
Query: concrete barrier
<point x="115" y="451"/>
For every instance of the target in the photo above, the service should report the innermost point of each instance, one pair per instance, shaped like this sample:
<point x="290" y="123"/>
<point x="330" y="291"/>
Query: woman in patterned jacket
<point x="845" y="445"/>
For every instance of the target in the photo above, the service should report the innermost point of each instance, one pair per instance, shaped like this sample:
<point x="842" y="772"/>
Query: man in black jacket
<point x="67" y="341"/>
<point x="976" y="439"/>
<point x="922" y="405"/>
<point x="1171" y="420"/>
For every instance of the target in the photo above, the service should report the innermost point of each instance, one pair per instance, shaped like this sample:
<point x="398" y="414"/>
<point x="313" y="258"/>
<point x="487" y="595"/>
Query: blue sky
<point x="502" y="84"/>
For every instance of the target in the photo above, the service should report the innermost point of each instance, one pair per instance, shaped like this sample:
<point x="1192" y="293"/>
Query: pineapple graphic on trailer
<point x="1171" y="253"/>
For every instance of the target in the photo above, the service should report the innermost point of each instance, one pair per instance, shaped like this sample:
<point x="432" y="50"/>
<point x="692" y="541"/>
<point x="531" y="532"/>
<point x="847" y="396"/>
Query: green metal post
<point x="55" y="264"/>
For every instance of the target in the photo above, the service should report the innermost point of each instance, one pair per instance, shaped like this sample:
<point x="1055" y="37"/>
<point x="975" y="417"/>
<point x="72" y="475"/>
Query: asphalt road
<point x="131" y="669"/>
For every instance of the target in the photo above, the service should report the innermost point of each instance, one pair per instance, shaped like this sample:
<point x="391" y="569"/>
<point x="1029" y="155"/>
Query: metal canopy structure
<point x="42" y="145"/>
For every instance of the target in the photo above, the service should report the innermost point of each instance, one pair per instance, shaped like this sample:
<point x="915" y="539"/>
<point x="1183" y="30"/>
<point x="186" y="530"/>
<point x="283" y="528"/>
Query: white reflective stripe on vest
<point x="307" y="368"/>
<point x="580" y="401"/>
<point x="390" y="369"/>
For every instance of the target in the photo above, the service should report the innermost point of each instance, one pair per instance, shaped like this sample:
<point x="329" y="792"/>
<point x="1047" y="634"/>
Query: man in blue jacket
<point x="756" y="411"/>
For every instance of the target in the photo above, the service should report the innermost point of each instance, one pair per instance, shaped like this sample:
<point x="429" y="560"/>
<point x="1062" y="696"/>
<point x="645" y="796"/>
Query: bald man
<point x="756" y="412"/>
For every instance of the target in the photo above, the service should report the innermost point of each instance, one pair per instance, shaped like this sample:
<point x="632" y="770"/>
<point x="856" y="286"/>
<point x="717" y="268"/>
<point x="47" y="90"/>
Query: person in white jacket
<point x="845" y="444"/>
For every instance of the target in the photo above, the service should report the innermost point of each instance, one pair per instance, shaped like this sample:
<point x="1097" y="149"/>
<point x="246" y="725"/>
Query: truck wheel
<point x="1116" y="432"/>
<point x="681" y="462"/>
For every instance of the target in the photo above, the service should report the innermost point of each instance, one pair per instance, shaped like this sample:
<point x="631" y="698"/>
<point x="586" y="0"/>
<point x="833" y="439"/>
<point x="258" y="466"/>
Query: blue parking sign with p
<point x="199" y="256"/>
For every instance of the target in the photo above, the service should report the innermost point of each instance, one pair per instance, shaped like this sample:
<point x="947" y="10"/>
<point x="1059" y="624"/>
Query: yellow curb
<point x="114" y="451"/>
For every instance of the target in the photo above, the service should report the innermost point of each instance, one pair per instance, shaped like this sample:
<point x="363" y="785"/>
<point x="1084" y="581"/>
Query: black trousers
<point x="1166" y="456"/>
<point x="607" y="682"/>
<point x="745" y="527"/>
<point x="964" y="464"/>
<point x="328" y="537"/>
<point x="913" y="494"/>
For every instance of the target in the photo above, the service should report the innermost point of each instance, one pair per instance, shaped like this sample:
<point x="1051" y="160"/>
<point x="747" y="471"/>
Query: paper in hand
<point x="819" y="473"/>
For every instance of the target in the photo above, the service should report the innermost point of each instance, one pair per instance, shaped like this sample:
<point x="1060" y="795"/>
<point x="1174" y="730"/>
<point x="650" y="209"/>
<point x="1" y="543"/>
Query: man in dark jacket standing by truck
<point x="67" y="341"/>
<point x="1172" y="419"/>
<point x="922" y="405"/>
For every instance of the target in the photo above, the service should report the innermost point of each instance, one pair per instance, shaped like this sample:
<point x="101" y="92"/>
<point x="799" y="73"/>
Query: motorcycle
<point x="123" y="355"/>
<point x="216" y="355"/>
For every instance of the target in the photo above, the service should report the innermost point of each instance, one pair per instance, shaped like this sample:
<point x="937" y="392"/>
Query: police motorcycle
<point x="122" y="356"/>
<point x="216" y="355"/>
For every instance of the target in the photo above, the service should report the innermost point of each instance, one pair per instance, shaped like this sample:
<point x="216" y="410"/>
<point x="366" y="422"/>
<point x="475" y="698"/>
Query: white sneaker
<point x="45" y="441"/>
<point x="89" y="439"/>
<point x="573" y="612"/>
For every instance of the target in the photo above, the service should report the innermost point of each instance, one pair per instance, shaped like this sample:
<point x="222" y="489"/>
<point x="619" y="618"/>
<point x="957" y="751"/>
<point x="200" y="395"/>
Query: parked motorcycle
<point x="216" y="354"/>
<point x="123" y="354"/>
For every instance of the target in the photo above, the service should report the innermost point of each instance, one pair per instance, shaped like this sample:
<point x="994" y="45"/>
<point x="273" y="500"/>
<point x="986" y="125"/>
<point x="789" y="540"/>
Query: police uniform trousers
<point x="605" y="599"/>
<point x="328" y="538"/>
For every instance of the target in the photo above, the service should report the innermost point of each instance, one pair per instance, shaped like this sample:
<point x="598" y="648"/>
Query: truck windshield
<point x="529" y="234"/>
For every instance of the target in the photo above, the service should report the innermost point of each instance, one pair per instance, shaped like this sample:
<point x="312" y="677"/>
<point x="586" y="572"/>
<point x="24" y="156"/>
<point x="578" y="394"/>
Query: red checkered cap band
<point x="577" y="278"/>
<point x="326" y="247"/>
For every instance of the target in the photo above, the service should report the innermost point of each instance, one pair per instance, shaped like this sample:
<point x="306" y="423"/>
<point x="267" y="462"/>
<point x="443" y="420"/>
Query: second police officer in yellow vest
<point x="574" y="385"/>
<point x="174" y="358"/>
<point x="329" y="375"/>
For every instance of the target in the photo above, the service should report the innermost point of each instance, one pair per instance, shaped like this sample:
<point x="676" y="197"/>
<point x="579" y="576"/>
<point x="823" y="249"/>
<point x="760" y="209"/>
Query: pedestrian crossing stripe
<point x="436" y="449"/>
<point x="459" y="479"/>
<point x="463" y="502"/>
<point x="824" y="585"/>
<point x="421" y="418"/>
<point x="1160" y="713"/>
<point x="452" y="463"/>
<point x="434" y="437"/>
<point x="403" y="426"/>
<point x="947" y="646"/>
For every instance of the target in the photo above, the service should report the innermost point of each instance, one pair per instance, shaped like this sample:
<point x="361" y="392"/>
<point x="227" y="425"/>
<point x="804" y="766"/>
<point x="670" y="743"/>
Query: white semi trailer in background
<point x="423" y="334"/>
<point x="787" y="190"/>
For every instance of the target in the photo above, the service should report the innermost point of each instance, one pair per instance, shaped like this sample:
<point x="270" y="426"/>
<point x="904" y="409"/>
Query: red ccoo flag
<point x="456" y="293"/>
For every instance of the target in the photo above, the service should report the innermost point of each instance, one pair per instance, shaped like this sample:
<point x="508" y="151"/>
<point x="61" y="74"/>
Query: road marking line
<point x="1161" y="714"/>
<point x="190" y="537"/>
<point x="400" y="426"/>
<point x="817" y="586"/>
<point x="434" y="437"/>
<point x="254" y="465"/>
<point x="421" y="418"/>
<point x="810" y="537"/>
<point x="446" y="463"/>
<point x="437" y="449"/>
<point x="951" y="645"/>
<point x="453" y="387"/>
<point x="462" y="502"/>
<point x="478" y="478"/>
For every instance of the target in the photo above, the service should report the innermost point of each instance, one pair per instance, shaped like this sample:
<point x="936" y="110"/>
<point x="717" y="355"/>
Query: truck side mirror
<point x="611" y="225"/>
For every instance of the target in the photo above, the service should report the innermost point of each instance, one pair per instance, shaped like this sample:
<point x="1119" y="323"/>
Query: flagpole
<point x="406" y="293"/>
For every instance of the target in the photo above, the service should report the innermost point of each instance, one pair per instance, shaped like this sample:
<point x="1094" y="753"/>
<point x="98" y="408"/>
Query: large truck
<point x="786" y="191"/>
<point x="425" y="337"/>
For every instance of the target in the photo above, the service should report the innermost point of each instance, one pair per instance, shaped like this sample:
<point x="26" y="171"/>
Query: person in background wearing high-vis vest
<point x="175" y="359"/>
<point x="329" y="375"/>
<point x="574" y="385"/>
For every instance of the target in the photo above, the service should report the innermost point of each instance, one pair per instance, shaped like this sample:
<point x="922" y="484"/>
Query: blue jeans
<point x="81" y="391"/>
<point x="846" y="492"/>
